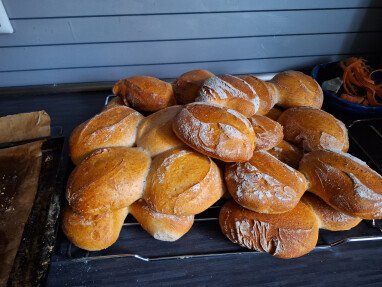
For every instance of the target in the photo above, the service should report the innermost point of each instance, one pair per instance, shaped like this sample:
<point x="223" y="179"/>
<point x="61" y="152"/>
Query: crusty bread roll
<point x="155" y="133"/>
<point x="182" y="182"/>
<point x="295" y="89"/>
<point x="187" y="86"/>
<point x="344" y="182"/>
<point x="265" y="184"/>
<point x="93" y="232"/>
<point x="266" y="99"/>
<point x="113" y="127"/>
<point x="328" y="217"/>
<point x="215" y="131"/>
<point x="108" y="179"/>
<point x="114" y="102"/>
<point x="286" y="235"/>
<point x="161" y="226"/>
<point x="145" y="93"/>
<point x="274" y="113"/>
<point x="287" y="153"/>
<point x="231" y="92"/>
<point x="268" y="132"/>
<point x="313" y="129"/>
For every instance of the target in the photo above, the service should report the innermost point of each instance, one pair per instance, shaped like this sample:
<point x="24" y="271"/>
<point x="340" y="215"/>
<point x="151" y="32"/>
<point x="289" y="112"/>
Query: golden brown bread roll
<point x="313" y="129"/>
<point x="231" y="92"/>
<point x="161" y="226"/>
<point x="268" y="132"/>
<point x="108" y="179"/>
<point x="295" y="89"/>
<point x="344" y="182"/>
<point x="287" y="153"/>
<point x="274" y="113"/>
<point x="114" y="102"/>
<point x="215" y="131"/>
<point x="328" y="217"/>
<point x="113" y="127"/>
<point x="145" y="93"/>
<point x="266" y="99"/>
<point x="155" y="133"/>
<point x="187" y="86"/>
<point x="182" y="182"/>
<point x="265" y="184"/>
<point x="93" y="232"/>
<point x="286" y="235"/>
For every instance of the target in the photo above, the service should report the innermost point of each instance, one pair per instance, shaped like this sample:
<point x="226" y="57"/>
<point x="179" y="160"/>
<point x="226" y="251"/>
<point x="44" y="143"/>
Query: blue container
<point x="335" y="104"/>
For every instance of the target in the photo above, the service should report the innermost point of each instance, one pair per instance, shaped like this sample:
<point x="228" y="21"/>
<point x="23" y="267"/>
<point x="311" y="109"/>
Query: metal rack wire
<point x="364" y="135"/>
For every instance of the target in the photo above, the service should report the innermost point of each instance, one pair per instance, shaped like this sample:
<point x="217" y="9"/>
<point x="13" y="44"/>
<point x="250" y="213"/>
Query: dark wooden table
<point x="352" y="264"/>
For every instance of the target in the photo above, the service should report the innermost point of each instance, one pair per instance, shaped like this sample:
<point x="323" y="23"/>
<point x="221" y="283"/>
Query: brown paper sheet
<point x="24" y="126"/>
<point x="19" y="174"/>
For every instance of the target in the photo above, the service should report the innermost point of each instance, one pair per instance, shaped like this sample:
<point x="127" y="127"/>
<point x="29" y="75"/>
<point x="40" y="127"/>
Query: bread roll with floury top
<point x="328" y="217"/>
<point x="268" y="132"/>
<point x="265" y="184"/>
<point x="115" y="126"/>
<point x="182" y="182"/>
<point x="344" y="182"/>
<point x="287" y="153"/>
<point x="155" y="133"/>
<point x="215" y="131"/>
<point x="186" y="87"/>
<point x="161" y="226"/>
<point x="314" y="129"/>
<point x="93" y="232"/>
<point x="295" y="89"/>
<point x="108" y="179"/>
<point x="231" y="92"/>
<point x="286" y="235"/>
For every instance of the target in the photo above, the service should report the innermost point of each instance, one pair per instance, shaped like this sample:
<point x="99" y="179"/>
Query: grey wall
<point x="75" y="41"/>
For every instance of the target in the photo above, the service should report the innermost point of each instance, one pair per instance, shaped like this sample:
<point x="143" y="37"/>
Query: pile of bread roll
<point x="285" y="168"/>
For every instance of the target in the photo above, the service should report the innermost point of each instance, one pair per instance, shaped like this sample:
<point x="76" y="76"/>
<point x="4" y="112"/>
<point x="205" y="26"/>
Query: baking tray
<point x="365" y="137"/>
<point x="39" y="237"/>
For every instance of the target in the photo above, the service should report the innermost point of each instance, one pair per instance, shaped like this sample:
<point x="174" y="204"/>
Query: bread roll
<point x="145" y="93"/>
<point x="313" y="129"/>
<point x="231" y="92"/>
<point x="287" y="153"/>
<point x="295" y="89"/>
<point x="268" y="132"/>
<point x="344" y="182"/>
<point x="113" y="127"/>
<point x="108" y="179"/>
<point x="265" y="184"/>
<point x="274" y="113"/>
<point x="114" y="102"/>
<point x="155" y="133"/>
<point x="186" y="87"/>
<point x="215" y="131"/>
<point x="266" y="99"/>
<point x="93" y="232"/>
<point x="328" y="217"/>
<point x="287" y="235"/>
<point x="161" y="226"/>
<point x="182" y="182"/>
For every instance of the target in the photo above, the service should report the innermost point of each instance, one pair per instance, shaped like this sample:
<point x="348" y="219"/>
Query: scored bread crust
<point x="116" y="126"/>
<point x="268" y="132"/>
<point x="161" y="226"/>
<point x="183" y="182"/>
<point x="286" y="235"/>
<point x="295" y="89"/>
<point x="313" y="129"/>
<point x="328" y="217"/>
<point x="287" y="153"/>
<point x="265" y="184"/>
<point x="231" y="92"/>
<point x="186" y="87"/>
<point x="215" y="131"/>
<point x="93" y="232"/>
<point x="344" y="182"/>
<point x="155" y="133"/>
<point x="108" y="179"/>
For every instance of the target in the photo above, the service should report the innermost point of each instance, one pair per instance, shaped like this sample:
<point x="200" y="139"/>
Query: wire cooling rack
<point x="205" y="238"/>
